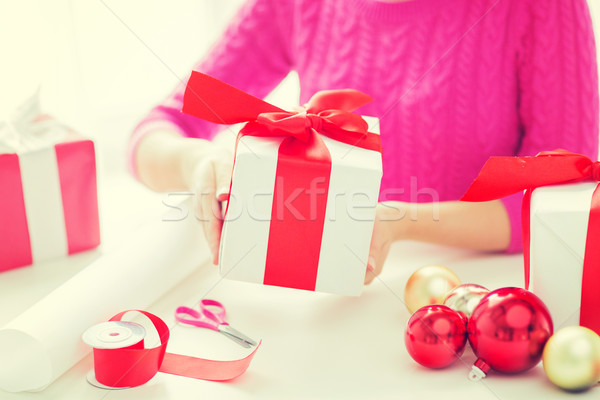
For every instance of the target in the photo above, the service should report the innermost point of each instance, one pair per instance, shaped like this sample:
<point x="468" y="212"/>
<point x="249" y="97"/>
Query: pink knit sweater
<point x="454" y="81"/>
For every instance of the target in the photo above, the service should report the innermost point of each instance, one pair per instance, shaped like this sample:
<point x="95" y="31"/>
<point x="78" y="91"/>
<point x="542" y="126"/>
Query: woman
<point x="454" y="82"/>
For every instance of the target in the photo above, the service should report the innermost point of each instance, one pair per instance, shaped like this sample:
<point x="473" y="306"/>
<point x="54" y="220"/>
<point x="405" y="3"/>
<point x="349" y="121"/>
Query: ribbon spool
<point x="110" y="336"/>
<point x="121" y="360"/>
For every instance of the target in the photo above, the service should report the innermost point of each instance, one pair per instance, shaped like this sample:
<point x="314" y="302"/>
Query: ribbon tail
<point x="215" y="101"/>
<point x="208" y="370"/>
<point x="525" y="226"/>
<point x="590" y="296"/>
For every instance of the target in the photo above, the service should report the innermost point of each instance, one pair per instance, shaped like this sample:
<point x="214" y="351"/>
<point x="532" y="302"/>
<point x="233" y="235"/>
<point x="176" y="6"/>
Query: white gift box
<point x="347" y="228"/>
<point x="559" y="217"/>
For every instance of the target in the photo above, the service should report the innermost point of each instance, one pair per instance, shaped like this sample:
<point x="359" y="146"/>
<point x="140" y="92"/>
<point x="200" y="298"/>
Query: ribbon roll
<point x="135" y="365"/>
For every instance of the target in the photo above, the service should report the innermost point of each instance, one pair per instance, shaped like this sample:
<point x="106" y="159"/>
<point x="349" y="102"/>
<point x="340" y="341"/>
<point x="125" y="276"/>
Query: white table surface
<point x="314" y="345"/>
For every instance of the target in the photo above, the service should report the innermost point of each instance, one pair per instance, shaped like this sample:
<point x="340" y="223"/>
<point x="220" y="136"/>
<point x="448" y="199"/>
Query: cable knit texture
<point x="454" y="81"/>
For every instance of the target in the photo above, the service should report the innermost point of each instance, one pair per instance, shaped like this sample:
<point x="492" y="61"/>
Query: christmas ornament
<point x="508" y="331"/>
<point x="464" y="298"/>
<point x="435" y="336"/>
<point x="428" y="285"/>
<point x="572" y="358"/>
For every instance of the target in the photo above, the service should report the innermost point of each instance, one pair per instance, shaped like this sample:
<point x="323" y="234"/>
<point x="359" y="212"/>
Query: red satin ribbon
<point x="13" y="229"/>
<point x="502" y="176"/>
<point x="135" y="365"/>
<point x="303" y="164"/>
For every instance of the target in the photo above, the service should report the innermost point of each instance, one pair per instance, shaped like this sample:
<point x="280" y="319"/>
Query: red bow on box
<point x="503" y="176"/>
<point x="303" y="158"/>
<point x="328" y="112"/>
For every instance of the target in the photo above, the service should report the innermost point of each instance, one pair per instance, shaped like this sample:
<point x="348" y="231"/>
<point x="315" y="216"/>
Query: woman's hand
<point x="388" y="228"/>
<point x="209" y="181"/>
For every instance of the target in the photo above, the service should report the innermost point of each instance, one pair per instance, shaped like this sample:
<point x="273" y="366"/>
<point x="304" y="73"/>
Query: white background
<point x="103" y="63"/>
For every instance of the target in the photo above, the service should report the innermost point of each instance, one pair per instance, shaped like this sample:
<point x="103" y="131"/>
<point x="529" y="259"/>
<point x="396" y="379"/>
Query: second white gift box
<point x="560" y="224"/>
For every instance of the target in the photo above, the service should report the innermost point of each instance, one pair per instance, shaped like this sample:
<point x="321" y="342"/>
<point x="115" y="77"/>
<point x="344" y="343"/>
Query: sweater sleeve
<point x="253" y="55"/>
<point x="558" y="86"/>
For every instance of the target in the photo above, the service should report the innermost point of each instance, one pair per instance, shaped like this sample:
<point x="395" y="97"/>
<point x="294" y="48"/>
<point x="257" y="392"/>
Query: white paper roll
<point x="45" y="341"/>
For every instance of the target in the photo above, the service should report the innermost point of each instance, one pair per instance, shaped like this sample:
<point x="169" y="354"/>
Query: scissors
<point x="213" y="318"/>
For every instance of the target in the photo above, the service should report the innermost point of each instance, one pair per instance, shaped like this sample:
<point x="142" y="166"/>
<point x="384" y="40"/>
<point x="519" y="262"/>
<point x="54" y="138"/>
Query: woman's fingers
<point x="370" y="275"/>
<point x="375" y="263"/>
<point x="223" y="168"/>
<point x="215" y="225"/>
<point x="204" y="178"/>
<point x="382" y="238"/>
<point x="222" y="171"/>
<point x="212" y="177"/>
<point x="204" y="181"/>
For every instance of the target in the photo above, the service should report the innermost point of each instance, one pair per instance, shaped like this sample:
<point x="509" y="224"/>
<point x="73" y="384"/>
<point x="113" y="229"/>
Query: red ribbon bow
<point x="503" y="176"/>
<point x="328" y="112"/>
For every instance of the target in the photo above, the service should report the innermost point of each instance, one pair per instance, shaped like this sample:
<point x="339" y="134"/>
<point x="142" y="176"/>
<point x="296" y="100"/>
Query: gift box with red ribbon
<point x="561" y="228"/>
<point x="48" y="202"/>
<point x="303" y="191"/>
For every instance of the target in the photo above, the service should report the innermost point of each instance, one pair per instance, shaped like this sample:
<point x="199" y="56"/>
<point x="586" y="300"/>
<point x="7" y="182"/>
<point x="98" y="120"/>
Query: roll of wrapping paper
<point x="45" y="341"/>
<point x="133" y="365"/>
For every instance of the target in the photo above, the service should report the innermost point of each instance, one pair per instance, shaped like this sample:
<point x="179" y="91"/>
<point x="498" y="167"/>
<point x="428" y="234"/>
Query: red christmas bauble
<point x="508" y="330"/>
<point x="435" y="336"/>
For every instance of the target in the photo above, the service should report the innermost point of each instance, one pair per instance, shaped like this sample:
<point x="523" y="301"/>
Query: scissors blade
<point x="236" y="336"/>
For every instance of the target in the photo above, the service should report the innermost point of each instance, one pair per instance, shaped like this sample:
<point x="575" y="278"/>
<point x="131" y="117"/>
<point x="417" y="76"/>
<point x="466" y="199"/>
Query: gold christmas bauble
<point x="464" y="298"/>
<point x="572" y="358"/>
<point x="428" y="285"/>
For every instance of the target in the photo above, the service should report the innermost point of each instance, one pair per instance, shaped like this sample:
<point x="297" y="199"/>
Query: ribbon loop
<point x="347" y="100"/>
<point x="595" y="170"/>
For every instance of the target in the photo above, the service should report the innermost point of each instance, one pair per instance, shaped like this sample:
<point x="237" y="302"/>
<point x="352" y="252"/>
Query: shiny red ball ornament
<point x="508" y="331"/>
<point x="436" y="336"/>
